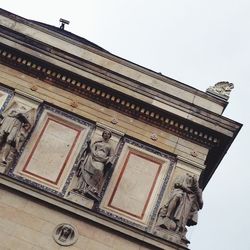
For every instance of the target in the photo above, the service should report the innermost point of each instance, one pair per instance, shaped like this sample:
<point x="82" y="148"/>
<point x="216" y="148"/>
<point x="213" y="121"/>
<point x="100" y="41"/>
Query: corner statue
<point x="93" y="165"/>
<point x="182" y="207"/>
<point x="13" y="127"/>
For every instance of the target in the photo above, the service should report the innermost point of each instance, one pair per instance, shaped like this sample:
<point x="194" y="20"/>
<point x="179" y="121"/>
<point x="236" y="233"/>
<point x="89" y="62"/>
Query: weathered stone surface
<point x="114" y="187"/>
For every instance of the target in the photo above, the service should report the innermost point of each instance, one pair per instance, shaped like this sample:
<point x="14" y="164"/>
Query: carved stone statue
<point x="96" y="160"/>
<point x="182" y="208"/>
<point x="65" y="234"/>
<point x="13" y="130"/>
<point x="222" y="89"/>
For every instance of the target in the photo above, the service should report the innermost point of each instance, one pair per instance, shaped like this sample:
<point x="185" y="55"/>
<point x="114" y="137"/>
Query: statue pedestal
<point x="80" y="199"/>
<point x="168" y="235"/>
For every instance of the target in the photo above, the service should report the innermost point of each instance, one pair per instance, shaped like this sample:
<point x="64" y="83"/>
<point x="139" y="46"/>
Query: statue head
<point x="106" y="134"/>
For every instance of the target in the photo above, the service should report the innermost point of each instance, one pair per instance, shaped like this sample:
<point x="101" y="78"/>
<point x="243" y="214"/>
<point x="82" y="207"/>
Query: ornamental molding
<point x="108" y="97"/>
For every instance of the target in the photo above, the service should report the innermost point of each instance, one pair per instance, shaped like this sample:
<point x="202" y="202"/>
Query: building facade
<point x="97" y="152"/>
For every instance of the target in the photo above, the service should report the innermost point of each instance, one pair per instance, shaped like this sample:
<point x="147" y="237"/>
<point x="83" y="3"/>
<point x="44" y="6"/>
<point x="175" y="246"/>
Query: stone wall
<point x="28" y="224"/>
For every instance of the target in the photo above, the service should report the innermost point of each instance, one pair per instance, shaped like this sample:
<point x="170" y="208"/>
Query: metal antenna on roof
<point x="63" y="22"/>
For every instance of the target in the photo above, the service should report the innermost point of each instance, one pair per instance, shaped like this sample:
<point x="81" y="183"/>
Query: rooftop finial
<point x="63" y="22"/>
<point x="221" y="89"/>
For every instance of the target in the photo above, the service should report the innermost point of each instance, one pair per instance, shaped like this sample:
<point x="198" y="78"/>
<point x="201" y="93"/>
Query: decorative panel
<point x="130" y="195"/>
<point x="51" y="152"/>
<point x="135" y="186"/>
<point x="59" y="147"/>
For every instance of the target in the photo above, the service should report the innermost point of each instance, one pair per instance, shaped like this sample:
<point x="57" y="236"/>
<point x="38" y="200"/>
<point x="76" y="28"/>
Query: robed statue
<point x="15" y="124"/>
<point x="182" y="207"/>
<point x="96" y="160"/>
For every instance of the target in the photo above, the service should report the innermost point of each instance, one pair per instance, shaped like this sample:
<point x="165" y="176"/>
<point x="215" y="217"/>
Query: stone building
<point x="97" y="152"/>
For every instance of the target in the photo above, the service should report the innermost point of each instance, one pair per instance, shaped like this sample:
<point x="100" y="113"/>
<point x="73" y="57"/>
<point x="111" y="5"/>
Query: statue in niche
<point x="16" y="122"/>
<point x="65" y="234"/>
<point x="96" y="160"/>
<point x="222" y="89"/>
<point x="182" y="208"/>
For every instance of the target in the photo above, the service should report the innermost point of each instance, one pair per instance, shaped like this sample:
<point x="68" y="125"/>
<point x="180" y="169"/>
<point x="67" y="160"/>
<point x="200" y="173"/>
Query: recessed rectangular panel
<point x="135" y="185"/>
<point x="51" y="151"/>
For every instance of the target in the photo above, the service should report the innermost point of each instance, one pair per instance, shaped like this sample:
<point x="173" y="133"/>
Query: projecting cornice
<point x="64" y="44"/>
<point x="108" y="97"/>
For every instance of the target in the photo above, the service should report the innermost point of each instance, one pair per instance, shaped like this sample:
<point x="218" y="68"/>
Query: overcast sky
<point x="198" y="42"/>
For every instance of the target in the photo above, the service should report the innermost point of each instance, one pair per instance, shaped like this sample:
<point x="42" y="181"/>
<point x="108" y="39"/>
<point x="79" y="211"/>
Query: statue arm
<point x="83" y="155"/>
<point x="92" y="147"/>
<point x="111" y="157"/>
<point x="110" y="161"/>
<point x="199" y="198"/>
<point x="197" y="190"/>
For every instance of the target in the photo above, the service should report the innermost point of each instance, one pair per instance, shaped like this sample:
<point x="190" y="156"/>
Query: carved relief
<point x="65" y="234"/>
<point x="96" y="160"/>
<point x="223" y="89"/>
<point x="182" y="207"/>
<point x="16" y="123"/>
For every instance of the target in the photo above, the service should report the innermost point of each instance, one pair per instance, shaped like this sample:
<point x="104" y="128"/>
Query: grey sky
<point x="193" y="41"/>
